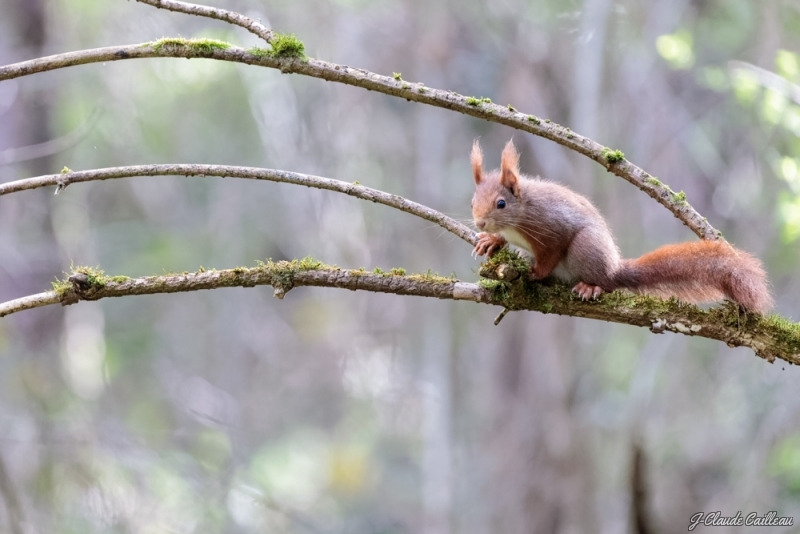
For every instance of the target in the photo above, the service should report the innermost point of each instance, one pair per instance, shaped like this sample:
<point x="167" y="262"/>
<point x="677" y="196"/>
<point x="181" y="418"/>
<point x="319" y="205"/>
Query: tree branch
<point x="353" y="189"/>
<point x="770" y="337"/>
<point x="29" y="302"/>
<point x="769" y="79"/>
<point x="230" y="17"/>
<point x="612" y="160"/>
<point x="53" y="146"/>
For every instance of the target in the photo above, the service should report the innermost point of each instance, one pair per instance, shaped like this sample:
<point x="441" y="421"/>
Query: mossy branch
<point x="770" y="337"/>
<point x="293" y="60"/>
<point x="68" y="176"/>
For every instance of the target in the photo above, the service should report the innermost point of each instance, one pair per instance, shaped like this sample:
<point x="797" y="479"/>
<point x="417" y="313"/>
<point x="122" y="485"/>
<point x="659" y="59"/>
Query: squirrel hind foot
<point x="587" y="291"/>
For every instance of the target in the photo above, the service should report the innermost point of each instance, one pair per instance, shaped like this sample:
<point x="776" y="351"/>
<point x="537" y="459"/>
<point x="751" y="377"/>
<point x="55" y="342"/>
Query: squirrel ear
<point x="509" y="168"/>
<point x="476" y="157"/>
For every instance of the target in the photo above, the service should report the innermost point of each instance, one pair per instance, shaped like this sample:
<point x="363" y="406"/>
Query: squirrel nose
<point x="480" y="224"/>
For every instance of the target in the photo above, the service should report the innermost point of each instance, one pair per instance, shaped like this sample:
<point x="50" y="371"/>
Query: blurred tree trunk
<point x="543" y="474"/>
<point x="28" y="122"/>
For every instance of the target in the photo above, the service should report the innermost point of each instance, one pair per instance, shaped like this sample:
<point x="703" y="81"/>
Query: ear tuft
<point x="476" y="157"/>
<point x="509" y="168"/>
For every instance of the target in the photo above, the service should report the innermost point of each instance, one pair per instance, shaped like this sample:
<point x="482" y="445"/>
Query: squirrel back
<point x="570" y="239"/>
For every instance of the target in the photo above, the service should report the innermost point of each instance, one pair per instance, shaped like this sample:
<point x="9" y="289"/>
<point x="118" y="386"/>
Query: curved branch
<point x="612" y="160"/>
<point x="230" y="17"/>
<point x="769" y="337"/>
<point x="353" y="189"/>
<point x="53" y="146"/>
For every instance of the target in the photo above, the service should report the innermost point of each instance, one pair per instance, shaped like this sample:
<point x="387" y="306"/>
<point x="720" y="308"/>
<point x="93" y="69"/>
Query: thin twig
<point x="500" y="317"/>
<point x="417" y="92"/>
<point x="768" y="79"/>
<point x="769" y="338"/>
<point x="365" y="193"/>
<point x="53" y="146"/>
<point x="230" y="17"/>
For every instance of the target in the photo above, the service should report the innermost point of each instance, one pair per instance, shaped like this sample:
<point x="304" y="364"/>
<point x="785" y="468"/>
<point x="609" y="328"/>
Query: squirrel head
<point x="497" y="202"/>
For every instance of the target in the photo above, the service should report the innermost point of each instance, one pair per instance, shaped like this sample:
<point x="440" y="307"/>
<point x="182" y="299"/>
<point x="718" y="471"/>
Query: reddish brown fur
<point x="699" y="271"/>
<point x="509" y="168"/>
<point x="570" y="240"/>
<point x="476" y="158"/>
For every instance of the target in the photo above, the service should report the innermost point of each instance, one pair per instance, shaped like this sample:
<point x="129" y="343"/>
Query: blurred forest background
<point x="339" y="412"/>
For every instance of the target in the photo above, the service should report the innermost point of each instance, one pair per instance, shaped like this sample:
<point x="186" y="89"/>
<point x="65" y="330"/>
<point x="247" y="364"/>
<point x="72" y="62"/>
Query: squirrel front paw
<point x="488" y="244"/>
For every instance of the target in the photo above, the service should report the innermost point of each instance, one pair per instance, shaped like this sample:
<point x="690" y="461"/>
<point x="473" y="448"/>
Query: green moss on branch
<point x="202" y="47"/>
<point x="612" y="156"/>
<point x="477" y="102"/>
<point x="283" y="45"/>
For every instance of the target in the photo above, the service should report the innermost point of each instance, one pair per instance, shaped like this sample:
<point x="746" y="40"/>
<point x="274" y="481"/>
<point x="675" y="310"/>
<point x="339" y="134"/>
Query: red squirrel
<point x="570" y="240"/>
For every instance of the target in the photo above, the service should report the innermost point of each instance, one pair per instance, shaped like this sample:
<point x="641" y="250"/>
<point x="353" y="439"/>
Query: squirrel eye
<point x="501" y="204"/>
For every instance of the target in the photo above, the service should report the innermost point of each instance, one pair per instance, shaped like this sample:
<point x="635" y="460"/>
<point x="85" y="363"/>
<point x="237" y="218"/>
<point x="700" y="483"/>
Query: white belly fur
<point x="515" y="238"/>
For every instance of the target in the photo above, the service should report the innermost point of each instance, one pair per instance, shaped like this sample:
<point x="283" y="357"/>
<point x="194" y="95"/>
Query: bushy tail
<point x="699" y="271"/>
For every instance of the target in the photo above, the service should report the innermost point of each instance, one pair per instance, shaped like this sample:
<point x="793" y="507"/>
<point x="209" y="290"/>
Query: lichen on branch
<point x="770" y="337"/>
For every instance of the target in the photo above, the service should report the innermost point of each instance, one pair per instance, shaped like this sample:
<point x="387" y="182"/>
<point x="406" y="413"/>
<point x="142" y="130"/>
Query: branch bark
<point x="612" y="160"/>
<point x="769" y="337"/>
<point x="230" y="17"/>
<point x="61" y="181"/>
